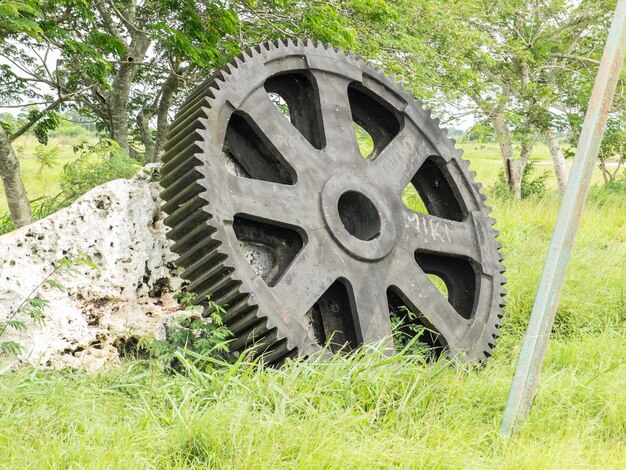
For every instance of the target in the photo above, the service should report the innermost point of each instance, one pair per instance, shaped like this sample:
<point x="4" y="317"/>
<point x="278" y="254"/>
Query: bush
<point x="70" y="129"/>
<point x="47" y="156"/>
<point x="96" y="164"/>
<point x="196" y="338"/>
<point x="532" y="187"/>
<point x="611" y="192"/>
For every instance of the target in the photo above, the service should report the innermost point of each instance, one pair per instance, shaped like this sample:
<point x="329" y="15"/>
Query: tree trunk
<point x="503" y="135"/>
<point x="519" y="165"/>
<point x="13" y="184"/>
<point x="119" y="96"/>
<point x="143" y="123"/>
<point x="606" y="174"/>
<point x="558" y="160"/>
<point x="159" y="108"/>
<point x="167" y="97"/>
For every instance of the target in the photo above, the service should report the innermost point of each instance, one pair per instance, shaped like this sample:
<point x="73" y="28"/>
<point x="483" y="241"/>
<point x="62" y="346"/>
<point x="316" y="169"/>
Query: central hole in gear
<point x="359" y="215"/>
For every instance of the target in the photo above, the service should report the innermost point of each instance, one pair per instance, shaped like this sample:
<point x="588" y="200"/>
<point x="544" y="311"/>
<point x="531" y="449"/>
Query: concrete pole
<point x="535" y="344"/>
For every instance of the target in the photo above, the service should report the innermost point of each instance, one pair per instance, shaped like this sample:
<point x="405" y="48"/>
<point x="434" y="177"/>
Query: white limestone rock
<point x="119" y="227"/>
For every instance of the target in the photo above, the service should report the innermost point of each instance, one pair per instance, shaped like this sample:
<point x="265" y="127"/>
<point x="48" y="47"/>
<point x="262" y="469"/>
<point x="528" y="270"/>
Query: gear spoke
<point x="402" y="158"/>
<point x="278" y="129"/>
<point x="337" y="115"/>
<point x="372" y="310"/>
<point x="297" y="291"/>
<point x="422" y="294"/>
<point x="269" y="201"/>
<point x="432" y="234"/>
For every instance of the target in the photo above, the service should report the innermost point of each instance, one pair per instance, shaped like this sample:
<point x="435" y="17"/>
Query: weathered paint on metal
<point x="535" y="344"/>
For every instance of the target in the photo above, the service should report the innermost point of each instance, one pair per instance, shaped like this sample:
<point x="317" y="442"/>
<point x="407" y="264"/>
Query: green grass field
<point x="363" y="412"/>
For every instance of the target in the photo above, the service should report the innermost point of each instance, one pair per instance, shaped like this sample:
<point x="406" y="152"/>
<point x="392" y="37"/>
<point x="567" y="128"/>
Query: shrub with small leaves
<point x="532" y="186"/>
<point x="205" y="337"/>
<point x="33" y="306"/>
<point x="47" y="156"/>
<point x="407" y="331"/>
<point x="96" y="164"/>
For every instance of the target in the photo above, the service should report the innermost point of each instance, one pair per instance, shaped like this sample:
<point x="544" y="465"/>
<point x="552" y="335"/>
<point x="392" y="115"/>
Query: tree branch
<point x="576" y="57"/>
<point x="61" y="99"/>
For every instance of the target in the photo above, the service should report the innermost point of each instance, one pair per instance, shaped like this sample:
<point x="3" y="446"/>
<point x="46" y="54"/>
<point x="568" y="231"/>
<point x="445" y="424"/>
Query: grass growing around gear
<point x="360" y="412"/>
<point x="365" y="411"/>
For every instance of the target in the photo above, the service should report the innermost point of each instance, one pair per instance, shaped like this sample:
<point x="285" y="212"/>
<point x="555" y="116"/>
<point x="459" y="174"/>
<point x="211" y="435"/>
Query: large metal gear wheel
<point x="306" y="243"/>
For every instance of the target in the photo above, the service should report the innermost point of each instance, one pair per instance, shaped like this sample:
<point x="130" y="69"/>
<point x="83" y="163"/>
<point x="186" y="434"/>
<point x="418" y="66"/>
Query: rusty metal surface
<point x="535" y="344"/>
<point x="281" y="219"/>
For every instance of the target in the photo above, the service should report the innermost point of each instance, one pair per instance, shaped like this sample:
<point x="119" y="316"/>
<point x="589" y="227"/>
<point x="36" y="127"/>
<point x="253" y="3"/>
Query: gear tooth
<point x="309" y="43"/>
<point x="300" y="43"/>
<point x="404" y="88"/>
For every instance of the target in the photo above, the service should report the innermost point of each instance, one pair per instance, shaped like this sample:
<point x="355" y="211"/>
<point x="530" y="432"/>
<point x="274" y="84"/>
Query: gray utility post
<point x="533" y="351"/>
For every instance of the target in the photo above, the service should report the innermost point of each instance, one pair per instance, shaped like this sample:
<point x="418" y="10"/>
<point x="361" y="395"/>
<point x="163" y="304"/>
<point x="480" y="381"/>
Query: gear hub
<point x="277" y="214"/>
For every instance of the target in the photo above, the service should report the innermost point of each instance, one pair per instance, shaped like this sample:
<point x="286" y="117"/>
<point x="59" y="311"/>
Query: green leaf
<point x="11" y="347"/>
<point x="16" y="325"/>
<point x="56" y="284"/>
<point x="38" y="303"/>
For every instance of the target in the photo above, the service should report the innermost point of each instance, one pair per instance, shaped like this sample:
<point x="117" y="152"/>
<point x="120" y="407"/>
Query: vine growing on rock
<point x="33" y="306"/>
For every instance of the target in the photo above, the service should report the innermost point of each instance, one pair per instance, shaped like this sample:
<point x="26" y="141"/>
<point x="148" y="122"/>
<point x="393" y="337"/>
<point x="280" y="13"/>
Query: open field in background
<point x="487" y="162"/>
<point x="42" y="181"/>
<point x="363" y="412"/>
